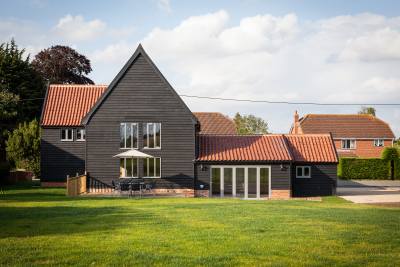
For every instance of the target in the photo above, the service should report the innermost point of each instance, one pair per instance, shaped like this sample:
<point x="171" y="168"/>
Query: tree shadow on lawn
<point x="59" y="220"/>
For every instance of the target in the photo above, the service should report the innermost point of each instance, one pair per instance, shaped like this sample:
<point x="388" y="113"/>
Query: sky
<point x="296" y="51"/>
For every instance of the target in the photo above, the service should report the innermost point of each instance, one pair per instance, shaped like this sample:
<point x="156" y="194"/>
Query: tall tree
<point x="62" y="64"/>
<point x="19" y="78"/>
<point x="18" y="82"/>
<point x="8" y="113"/>
<point x="367" y="110"/>
<point x="250" y="124"/>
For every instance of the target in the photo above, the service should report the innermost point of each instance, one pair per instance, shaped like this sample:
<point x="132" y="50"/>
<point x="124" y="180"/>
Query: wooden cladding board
<point x="59" y="158"/>
<point x="322" y="182"/>
<point x="142" y="96"/>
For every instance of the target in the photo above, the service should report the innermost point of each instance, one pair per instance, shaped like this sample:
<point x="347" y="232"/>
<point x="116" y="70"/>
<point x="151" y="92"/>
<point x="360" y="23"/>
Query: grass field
<point x="43" y="227"/>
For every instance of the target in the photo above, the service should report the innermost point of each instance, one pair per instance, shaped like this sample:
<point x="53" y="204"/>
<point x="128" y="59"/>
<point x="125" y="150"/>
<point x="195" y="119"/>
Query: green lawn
<point x="43" y="227"/>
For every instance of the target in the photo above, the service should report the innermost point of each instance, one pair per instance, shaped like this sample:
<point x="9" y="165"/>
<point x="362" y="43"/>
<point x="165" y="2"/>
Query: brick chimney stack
<point x="296" y="123"/>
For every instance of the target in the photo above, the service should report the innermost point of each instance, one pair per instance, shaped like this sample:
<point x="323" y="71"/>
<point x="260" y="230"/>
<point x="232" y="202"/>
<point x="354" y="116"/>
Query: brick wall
<point x="365" y="148"/>
<point x="280" y="194"/>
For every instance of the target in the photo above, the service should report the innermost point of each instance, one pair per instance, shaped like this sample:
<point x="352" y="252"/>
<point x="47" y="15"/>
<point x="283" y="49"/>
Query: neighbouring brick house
<point x="138" y="128"/>
<point x="355" y="135"/>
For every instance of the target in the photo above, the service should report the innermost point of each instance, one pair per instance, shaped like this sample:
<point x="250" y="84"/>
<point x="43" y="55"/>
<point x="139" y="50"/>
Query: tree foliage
<point x="390" y="153"/>
<point x="250" y="124"/>
<point x="23" y="147"/>
<point x="62" y="64"/>
<point x="19" y="78"/>
<point x="367" y="110"/>
<point x="8" y="105"/>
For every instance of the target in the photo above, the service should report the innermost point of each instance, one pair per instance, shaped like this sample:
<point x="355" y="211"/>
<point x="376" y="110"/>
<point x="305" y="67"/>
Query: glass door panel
<point x="216" y="181"/>
<point x="264" y="182"/>
<point x="252" y="182"/>
<point x="240" y="182"/>
<point x="228" y="175"/>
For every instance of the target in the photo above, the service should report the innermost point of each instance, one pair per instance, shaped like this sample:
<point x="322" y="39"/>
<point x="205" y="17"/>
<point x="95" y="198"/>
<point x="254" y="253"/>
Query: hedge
<point x="359" y="168"/>
<point x="397" y="169"/>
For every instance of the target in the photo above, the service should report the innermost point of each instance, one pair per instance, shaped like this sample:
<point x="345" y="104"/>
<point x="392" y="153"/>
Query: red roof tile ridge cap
<point x="310" y="135"/>
<point x="77" y="85"/>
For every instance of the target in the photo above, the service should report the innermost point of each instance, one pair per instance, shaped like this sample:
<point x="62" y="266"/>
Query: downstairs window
<point x="128" y="168"/>
<point x="152" y="167"/>
<point x="303" y="172"/>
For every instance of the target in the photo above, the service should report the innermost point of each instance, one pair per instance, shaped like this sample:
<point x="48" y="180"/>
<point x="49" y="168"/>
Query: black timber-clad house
<point x="96" y="128"/>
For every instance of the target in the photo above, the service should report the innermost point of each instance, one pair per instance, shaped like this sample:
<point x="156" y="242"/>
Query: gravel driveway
<point x="369" y="191"/>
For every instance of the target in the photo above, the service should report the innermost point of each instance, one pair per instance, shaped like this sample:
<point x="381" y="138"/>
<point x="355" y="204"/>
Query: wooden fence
<point x="76" y="185"/>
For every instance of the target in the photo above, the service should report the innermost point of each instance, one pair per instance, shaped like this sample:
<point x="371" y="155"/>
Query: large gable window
<point x="128" y="135"/>
<point x="67" y="135"/>
<point x="348" y="144"/>
<point x="128" y="168"/>
<point x="152" y="167"/>
<point x="152" y="135"/>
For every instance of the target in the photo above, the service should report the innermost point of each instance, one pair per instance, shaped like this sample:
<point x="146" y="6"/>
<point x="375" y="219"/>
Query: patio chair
<point x="148" y="187"/>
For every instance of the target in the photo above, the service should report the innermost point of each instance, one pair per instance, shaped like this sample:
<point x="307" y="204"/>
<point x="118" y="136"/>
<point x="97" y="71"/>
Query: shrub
<point x="390" y="153"/>
<point x="358" y="168"/>
<point x="397" y="169"/>
<point x="23" y="147"/>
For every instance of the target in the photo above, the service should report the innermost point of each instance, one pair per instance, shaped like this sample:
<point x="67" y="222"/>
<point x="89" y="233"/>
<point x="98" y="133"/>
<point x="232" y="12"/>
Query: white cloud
<point x="113" y="53"/>
<point x="349" y="59"/>
<point x="164" y="5"/>
<point x="77" y="29"/>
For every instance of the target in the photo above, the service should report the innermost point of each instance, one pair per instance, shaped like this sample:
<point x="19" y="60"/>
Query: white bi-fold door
<point x="240" y="181"/>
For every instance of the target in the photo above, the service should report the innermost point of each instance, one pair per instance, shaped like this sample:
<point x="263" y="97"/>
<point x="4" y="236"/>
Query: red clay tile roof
<point x="243" y="148"/>
<point x="346" y="126"/>
<point x="215" y="123"/>
<point x="66" y="105"/>
<point x="312" y="148"/>
<point x="272" y="147"/>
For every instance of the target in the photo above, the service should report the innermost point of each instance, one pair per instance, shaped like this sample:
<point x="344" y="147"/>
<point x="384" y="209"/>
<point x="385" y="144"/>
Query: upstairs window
<point x="80" y="135"/>
<point x="67" y="135"/>
<point x="303" y="172"/>
<point x="378" y="142"/>
<point x="348" y="144"/>
<point x="152" y="135"/>
<point x="152" y="167"/>
<point x="128" y="135"/>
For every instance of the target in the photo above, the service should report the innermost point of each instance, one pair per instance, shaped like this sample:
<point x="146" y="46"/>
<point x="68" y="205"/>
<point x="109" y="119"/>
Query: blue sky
<point x="320" y="51"/>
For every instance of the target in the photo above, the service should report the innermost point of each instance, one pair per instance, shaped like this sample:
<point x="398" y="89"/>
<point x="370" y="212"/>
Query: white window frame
<point x="348" y="139"/>
<point x="137" y="169"/>
<point x="125" y="139"/>
<point x="148" y="165"/>
<point x="302" y="171"/>
<point x="66" y="135"/>
<point x="82" y="135"/>
<point x="146" y="145"/>
<point x="379" y="142"/>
